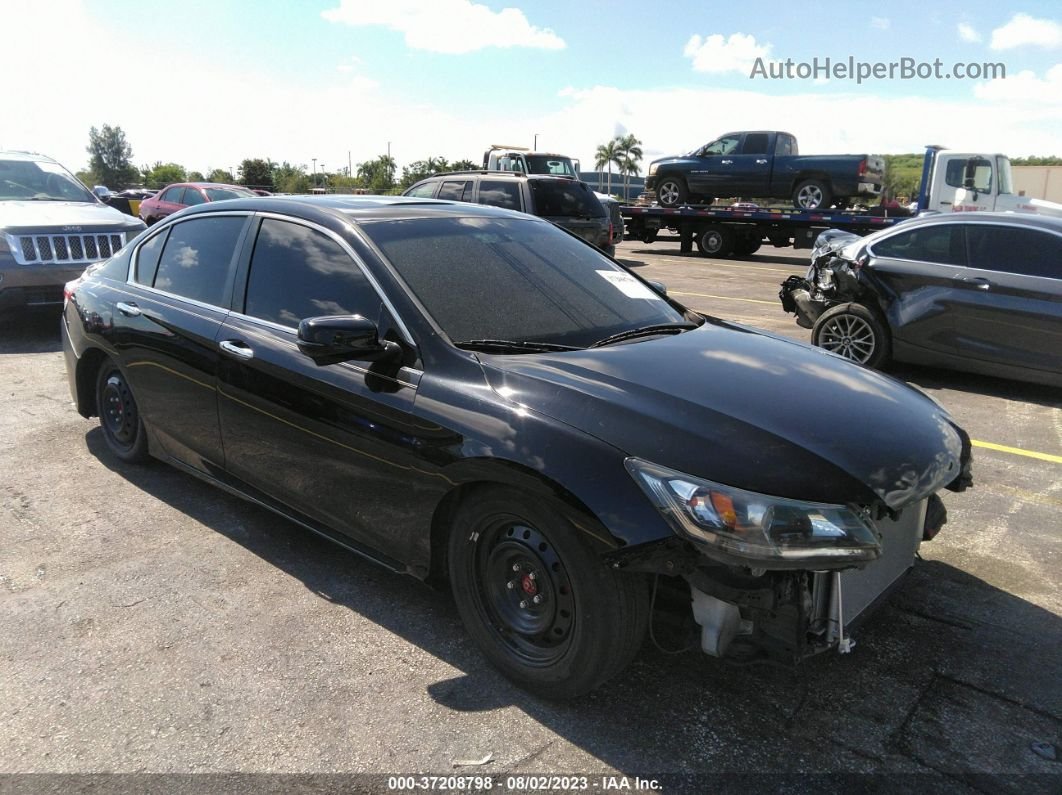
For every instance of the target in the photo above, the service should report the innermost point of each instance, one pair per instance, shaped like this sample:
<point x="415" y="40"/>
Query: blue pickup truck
<point x="764" y="165"/>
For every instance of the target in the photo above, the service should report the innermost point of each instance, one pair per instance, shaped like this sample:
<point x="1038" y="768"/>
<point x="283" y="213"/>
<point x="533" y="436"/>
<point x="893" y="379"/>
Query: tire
<point x="671" y="191"/>
<point x="716" y="241"/>
<point x="854" y="332"/>
<point x="123" y="429"/>
<point x="746" y="246"/>
<point x="505" y="550"/>
<point x="812" y="194"/>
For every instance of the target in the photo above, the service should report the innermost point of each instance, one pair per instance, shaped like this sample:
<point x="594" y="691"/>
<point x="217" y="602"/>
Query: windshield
<point x="220" y="194"/>
<point x="549" y="164"/>
<point x="518" y="280"/>
<point x="33" y="180"/>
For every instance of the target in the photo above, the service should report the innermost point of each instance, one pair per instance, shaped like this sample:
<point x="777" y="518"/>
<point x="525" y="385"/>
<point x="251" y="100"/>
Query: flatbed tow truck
<point x="951" y="182"/>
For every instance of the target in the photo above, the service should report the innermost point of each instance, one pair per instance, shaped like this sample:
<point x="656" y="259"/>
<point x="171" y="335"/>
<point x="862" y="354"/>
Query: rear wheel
<point x="716" y="241"/>
<point x="541" y="606"/>
<point x="123" y="430"/>
<point x="671" y="191"/>
<point x="854" y="332"/>
<point x="812" y="194"/>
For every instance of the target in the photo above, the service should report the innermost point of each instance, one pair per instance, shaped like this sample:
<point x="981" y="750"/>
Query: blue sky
<point x="207" y="84"/>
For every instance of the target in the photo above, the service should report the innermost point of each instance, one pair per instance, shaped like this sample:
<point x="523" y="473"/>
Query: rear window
<point x="565" y="198"/>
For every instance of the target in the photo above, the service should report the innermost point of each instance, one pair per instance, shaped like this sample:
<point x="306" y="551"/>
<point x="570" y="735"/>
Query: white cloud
<point x="446" y="26"/>
<point x="1025" y="87"/>
<point x="716" y="53"/>
<point x="1026" y="31"/>
<point x="968" y="33"/>
<point x="880" y="23"/>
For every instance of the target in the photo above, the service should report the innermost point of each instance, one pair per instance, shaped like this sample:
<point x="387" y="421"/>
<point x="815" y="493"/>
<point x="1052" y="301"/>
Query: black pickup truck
<point x="763" y="165"/>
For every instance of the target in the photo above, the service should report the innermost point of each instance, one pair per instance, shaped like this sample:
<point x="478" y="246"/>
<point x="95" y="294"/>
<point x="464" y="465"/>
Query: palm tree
<point x="630" y="149"/>
<point x="606" y="155"/>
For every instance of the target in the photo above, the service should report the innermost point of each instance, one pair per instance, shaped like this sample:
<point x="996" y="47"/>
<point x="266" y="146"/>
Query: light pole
<point x="314" y="159"/>
<point x="324" y="176"/>
<point x="534" y="148"/>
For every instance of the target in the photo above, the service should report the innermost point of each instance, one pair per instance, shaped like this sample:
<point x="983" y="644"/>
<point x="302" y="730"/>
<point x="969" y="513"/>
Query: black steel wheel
<point x="123" y="430"/>
<point x="854" y="332"/>
<point x="542" y="607"/>
<point x="812" y="194"/>
<point x="671" y="191"/>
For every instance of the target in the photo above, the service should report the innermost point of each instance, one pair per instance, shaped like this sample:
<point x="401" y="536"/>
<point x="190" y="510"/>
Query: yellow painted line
<point x="727" y="298"/>
<point x="737" y="264"/>
<point x="1002" y="448"/>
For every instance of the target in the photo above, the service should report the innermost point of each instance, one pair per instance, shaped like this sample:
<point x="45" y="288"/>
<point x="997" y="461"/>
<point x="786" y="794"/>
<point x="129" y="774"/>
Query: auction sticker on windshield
<point x="628" y="285"/>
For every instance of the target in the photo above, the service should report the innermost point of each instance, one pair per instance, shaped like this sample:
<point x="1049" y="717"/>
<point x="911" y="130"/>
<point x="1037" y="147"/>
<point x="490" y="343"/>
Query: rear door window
<point x="456" y="191"/>
<point x="564" y="198"/>
<point x="940" y="244"/>
<point x="198" y="257"/>
<point x="147" y="258"/>
<point x="298" y="272"/>
<point x="423" y="191"/>
<point x="500" y="193"/>
<point x="1008" y="249"/>
<point x="193" y="197"/>
<point x="172" y="195"/>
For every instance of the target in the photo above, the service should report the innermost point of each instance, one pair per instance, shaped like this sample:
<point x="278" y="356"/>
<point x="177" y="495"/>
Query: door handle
<point x="236" y="348"/>
<point x="129" y="310"/>
<point x="761" y="162"/>
<point x="979" y="283"/>
<point x="727" y="162"/>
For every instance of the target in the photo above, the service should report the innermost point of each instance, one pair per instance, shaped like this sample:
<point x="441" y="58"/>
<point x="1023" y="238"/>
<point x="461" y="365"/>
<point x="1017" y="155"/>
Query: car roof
<point x="203" y="185"/>
<point x="984" y="217"/>
<point x="26" y="156"/>
<point x="499" y="174"/>
<point x="357" y="208"/>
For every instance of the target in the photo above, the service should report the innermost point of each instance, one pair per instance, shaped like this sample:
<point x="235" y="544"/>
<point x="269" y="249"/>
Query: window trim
<point x="168" y="224"/>
<point x="869" y="248"/>
<point x="369" y="276"/>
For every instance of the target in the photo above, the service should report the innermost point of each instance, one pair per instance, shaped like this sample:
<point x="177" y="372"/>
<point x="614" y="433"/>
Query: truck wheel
<point x="671" y="191"/>
<point x="812" y="194"/>
<point x="744" y="246"/>
<point x="854" y="332"/>
<point x="716" y="241"/>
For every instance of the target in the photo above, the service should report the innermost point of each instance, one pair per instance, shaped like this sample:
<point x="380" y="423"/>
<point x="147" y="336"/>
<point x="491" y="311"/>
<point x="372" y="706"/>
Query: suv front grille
<point x="65" y="249"/>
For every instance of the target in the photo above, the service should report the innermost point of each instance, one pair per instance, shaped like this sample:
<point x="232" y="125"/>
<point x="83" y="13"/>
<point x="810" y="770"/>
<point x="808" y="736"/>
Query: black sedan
<point x="980" y="292"/>
<point x="471" y="394"/>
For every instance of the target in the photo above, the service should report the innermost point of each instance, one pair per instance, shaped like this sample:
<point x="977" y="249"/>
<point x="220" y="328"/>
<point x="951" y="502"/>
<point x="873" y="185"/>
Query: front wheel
<point x="854" y="332"/>
<point x="671" y="191"/>
<point x="542" y="607"/>
<point x="123" y="430"/>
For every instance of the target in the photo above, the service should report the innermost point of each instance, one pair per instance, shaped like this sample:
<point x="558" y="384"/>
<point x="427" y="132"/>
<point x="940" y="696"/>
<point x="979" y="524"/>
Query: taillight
<point x="68" y="290"/>
<point x="862" y="166"/>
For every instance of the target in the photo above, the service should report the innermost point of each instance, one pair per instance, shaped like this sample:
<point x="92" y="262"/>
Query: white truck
<point x="518" y="158"/>
<point x="965" y="182"/>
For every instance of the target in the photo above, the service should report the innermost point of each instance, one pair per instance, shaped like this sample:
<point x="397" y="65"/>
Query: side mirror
<point x="339" y="338"/>
<point x="660" y="287"/>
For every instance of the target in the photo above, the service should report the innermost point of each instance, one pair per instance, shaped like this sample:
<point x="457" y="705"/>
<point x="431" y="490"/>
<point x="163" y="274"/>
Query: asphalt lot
<point x="151" y="623"/>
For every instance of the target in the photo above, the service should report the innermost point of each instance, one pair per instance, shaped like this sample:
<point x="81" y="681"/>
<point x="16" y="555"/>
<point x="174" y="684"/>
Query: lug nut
<point x="537" y="599"/>
<point x="523" y="604"/>
<point x="516" y="567"/>
<point x="530" y="575"/>
<point x="510" y="585"/>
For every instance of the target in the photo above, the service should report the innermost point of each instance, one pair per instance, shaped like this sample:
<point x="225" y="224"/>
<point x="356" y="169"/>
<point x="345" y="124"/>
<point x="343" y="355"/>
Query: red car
<point x="184" y="194"/>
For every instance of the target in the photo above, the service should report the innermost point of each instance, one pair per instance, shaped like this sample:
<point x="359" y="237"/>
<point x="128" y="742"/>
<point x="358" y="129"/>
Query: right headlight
<point x="757" y="530"/>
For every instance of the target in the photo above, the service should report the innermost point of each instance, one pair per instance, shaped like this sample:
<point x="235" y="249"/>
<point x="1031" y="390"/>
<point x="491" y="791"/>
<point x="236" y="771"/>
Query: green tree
<point x="465" y="165"/>
<point x="220" y="175"/>
<point x="607" y="155"/>
<point x="196" y="176"/>
<point x="419" y="169"/>
<point x="630" y="149"/>
<point x="110" y="157"/>
<point x="163" y="174"/>
<point x="288" y="178"/>
<point x="257" y="173"/>
<point x="378" y="175"/>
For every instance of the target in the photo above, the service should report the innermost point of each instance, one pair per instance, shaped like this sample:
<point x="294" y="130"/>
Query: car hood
<point x="747" y="409"/>
<point x="36" y="214"/>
